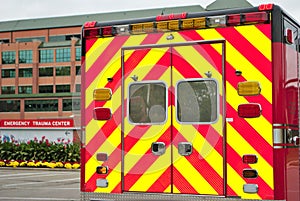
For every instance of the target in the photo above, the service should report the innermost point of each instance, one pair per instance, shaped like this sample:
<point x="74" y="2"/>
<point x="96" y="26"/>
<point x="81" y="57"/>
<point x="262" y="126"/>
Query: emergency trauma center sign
<point x="42" y="123"/>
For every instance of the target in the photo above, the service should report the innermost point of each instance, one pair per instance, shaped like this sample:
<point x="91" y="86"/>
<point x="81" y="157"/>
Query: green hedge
<point x="39" y="150"/>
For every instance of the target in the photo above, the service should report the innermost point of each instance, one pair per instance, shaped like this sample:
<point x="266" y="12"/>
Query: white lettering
<point x="16" y="123"/>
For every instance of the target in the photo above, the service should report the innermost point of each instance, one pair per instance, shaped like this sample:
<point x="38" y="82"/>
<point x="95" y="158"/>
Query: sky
<point x="30" y="9"/>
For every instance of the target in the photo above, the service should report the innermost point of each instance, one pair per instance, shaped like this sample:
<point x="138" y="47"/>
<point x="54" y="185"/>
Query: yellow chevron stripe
<point x="238" y="61"/>
<point x="153" y="172"/>
<point x="113" y="178"/>
<point x="202" y="146"/>
<point x="257" y="39"/>
<point x="241" y="146"/>
<point x="192" y="175"/>
<point x="110" y="69"/>
<point x="142" y="146"/>
<point x="97" y="49"/>
<point x="236" y="184"/>
<point x="256" y="123"/>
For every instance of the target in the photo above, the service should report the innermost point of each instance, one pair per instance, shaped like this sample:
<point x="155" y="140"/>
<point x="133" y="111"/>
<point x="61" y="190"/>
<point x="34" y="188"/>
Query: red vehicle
<point x="192" y="106"/>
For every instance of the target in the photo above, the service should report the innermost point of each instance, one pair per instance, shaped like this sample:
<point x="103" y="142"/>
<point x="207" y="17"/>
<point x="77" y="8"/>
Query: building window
<point x="25" y="72"/>
<point x="8" y="89"/>
<point x="25" y="89"/>
<point x="10" y="106"/>
<point x="78" y="70"/>
<point x="4" y="40"/>
<point x="46" y="89"/>
<point x="63" y="55"/>
<point x="63" y="71"/>
<point x="46" y="72"/>
<point x="60" y="38"/>
<point x="9" y="57"/>
<point x="30" y="39"/>
<point x="46" y="56"/>
<point x="8" y="73"/>
<point x="25" y="56"/>
<point x="71" y="104"/>
<point x="41" y="105"/>
<point x="78" y="54"/>
<point x="63" y="88"/>
<point x="197" y="101"/>
<point x="78" y="87"/>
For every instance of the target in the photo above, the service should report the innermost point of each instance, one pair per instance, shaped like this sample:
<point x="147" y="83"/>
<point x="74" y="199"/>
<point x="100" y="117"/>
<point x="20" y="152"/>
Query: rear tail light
<point x="250" y="173"/>
<point x="101" y="113"/>
<point x="266" y="7"/>
<point x="107" y="31"/>
<point x="102" y="94"/>
<point x="249" y="88"/>
<point x="289" y="36"/>
<point x="89" y="33"/>
<point x="102" y="170"/>
<point x="233" y="20"/>
<point x="256" y="17"/>
<point x="250" y="159"/>
<point x="250" y="110"/>
<point x="216" y="21"/>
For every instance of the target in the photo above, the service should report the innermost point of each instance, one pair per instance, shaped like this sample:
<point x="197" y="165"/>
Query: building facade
<point x="40" y="70"/>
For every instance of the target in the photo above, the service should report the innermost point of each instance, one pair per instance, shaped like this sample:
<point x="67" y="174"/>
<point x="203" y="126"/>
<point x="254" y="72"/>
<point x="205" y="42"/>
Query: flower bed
<point x="39" y="153"/>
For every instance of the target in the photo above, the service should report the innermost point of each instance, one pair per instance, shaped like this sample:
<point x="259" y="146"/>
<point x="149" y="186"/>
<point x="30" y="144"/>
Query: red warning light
<point x="266" y="7"/>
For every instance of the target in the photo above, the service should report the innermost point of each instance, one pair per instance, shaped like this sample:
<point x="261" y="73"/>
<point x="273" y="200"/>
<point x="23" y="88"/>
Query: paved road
<point x="39" y="184"/>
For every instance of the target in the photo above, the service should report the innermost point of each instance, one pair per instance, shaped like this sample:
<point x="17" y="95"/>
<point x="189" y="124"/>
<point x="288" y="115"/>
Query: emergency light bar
<point x="175" y="22"/>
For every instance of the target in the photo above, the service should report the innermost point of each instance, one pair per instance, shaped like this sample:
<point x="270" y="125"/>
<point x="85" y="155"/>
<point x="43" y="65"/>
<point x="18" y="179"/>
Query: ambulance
<point x="191" y="107"/>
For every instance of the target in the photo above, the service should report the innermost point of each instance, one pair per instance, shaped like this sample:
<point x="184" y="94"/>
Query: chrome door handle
<point x="158" y="148"/>
<point x="185" y="148"/>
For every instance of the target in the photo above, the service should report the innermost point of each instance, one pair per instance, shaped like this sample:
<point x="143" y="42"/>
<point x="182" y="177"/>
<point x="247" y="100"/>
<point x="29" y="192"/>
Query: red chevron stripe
<point x="181" y="183"/>
<point x="162" y="183"/>
<point x="230" y="73"/>
<point x="251" y="135"/>
<point x="248" y="50"/>
<point x="145" y="161"/>
<point x="235" y="160"/>
<point x="200" y="164"/>
<point x="104" y="59"/>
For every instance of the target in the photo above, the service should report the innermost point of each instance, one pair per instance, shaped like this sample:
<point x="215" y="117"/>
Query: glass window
<point x="63" y="88"/>
<point x="197" y="101"/>
<point x="41" y="105"/>
<point x="25" y="72"/>
<point x="46" y="56"/>
<point x="147" y="103"/>
<point x="46" y="72"/>
<point x="30" y="39"/>
<point x="63" y="71"/>
<point x="25" y="89"/>
<point x="9" y="106"/>
<point x="78" y="70"/>
<point x="9" y="57"/>
<point x="57" y="38"/>
<point x="63" y="55"/>
<point x="8" y="73"/>
<point x="8" y="89"/>
<point x="69" y="104"/>
<point x="46" y="89"/>
<point x="78" y="87"/>
<point x="25" y="56"/>
<point x="78" y="53"/>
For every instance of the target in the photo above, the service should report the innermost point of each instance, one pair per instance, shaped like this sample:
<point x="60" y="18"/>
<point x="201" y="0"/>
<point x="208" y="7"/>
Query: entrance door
<point x="173" y="118"/>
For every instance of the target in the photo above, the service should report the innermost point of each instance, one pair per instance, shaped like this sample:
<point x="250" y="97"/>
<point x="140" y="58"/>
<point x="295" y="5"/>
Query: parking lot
<point x="39" y="184"/>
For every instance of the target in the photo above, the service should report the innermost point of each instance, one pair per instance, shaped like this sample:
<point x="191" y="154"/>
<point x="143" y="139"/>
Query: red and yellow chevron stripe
<point x="215" y="166"/>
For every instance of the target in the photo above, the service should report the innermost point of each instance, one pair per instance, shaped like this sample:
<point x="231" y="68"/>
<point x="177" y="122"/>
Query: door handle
<point x="296" y="140"/>
<point x="158" y="148"/>
<point x="185" y="148"/>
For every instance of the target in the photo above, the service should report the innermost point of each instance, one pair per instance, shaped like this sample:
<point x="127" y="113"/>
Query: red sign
<point x="39" y="123"/>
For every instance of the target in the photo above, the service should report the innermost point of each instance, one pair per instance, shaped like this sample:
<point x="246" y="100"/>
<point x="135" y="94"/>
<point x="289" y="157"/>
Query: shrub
<point x="39" y="150"/>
